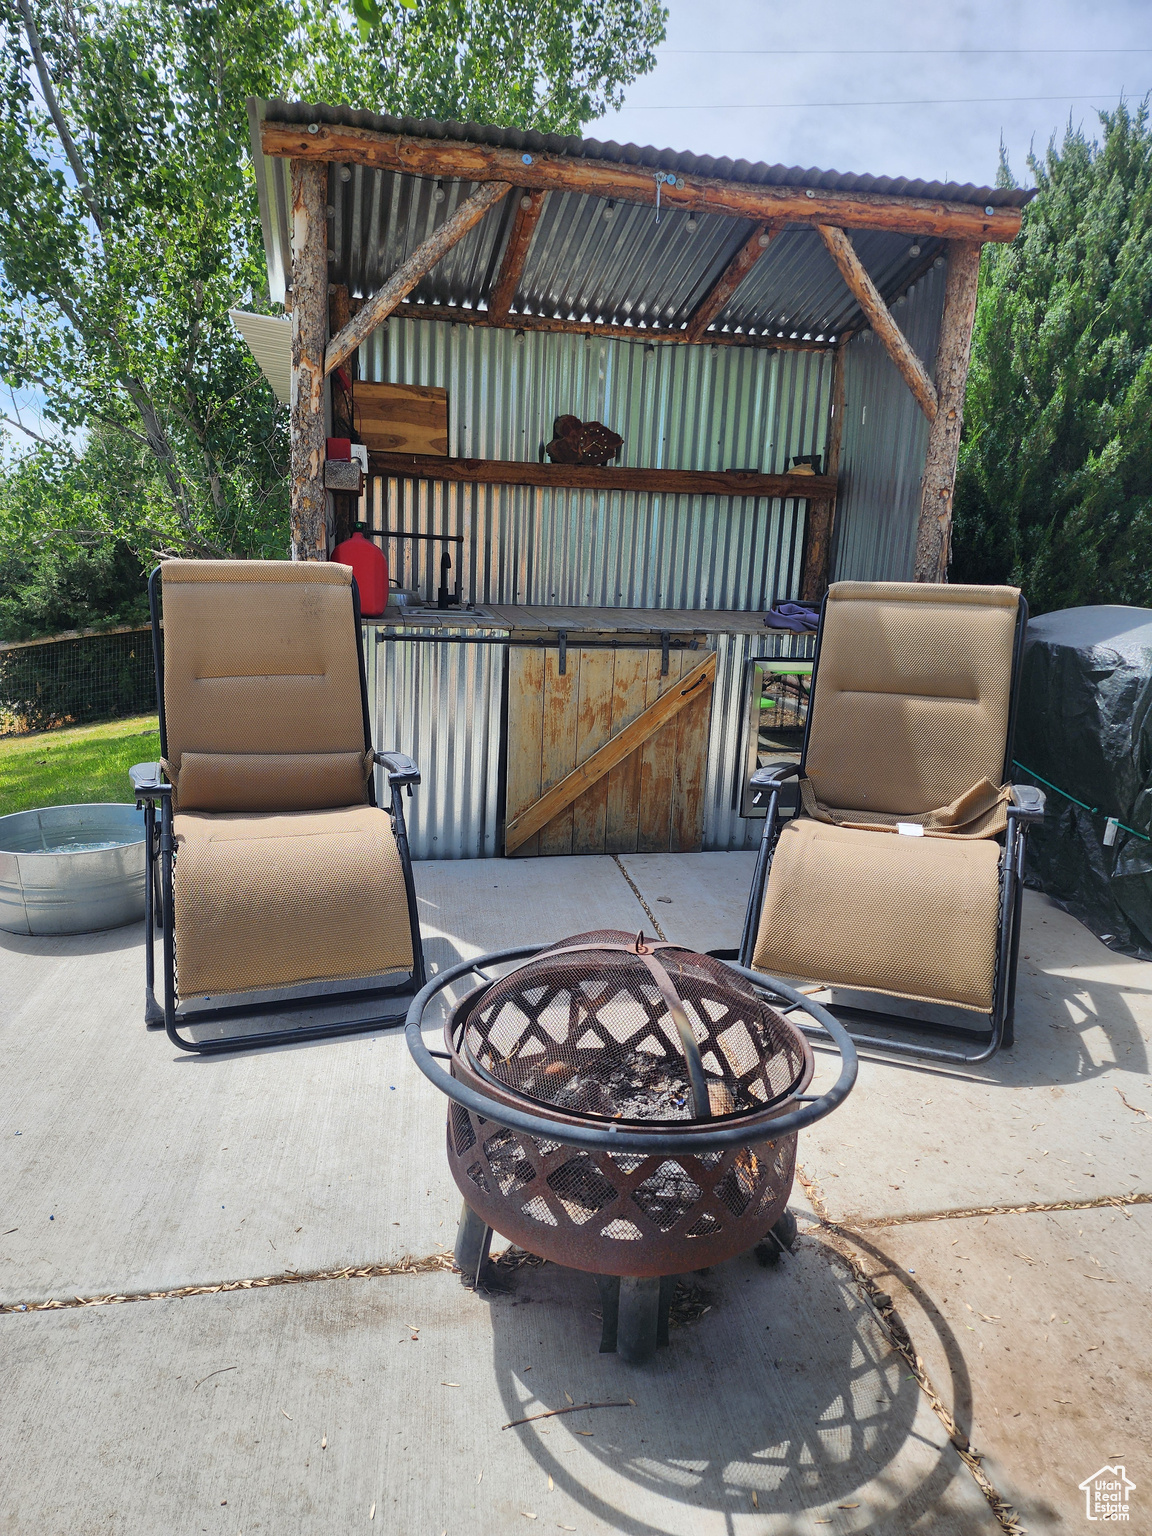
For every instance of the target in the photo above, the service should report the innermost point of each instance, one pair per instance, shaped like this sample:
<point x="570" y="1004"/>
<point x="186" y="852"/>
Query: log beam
<point x="651" y="334"/>
<point x="528" y="211"/>
<point x="457" y="159"/>
<point x="867" y="295"/>
<point x="934" y="533"/>
<point x="729" y="280"/>
<point x="376" y="309"/>
<point x="309" y="499"/>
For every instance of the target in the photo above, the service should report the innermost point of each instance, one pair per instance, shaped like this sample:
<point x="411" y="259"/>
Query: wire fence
<point x="74" y="679"/>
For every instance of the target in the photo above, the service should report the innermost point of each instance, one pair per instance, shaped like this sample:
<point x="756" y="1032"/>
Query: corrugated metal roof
<point x="593" y="261"/>
<point x="757" y="173"/>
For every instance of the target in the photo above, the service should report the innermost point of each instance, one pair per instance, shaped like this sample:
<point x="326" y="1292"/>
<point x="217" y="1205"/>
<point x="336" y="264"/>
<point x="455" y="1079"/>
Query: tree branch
<point x="20" y="427"/>
<point x="53" y="106"/>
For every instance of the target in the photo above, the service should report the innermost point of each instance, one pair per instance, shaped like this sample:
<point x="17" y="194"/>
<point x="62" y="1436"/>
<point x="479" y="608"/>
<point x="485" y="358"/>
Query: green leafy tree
<point x="129" y="222"/>
<point x="1054" y="492"/>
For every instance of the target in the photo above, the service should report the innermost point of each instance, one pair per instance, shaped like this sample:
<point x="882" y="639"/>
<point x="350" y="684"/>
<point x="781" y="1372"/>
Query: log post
<point x="343" y="502"/>
<point x="934" y="533"/>
<point x="309" y="500"/>
<point x="821" y="519"/>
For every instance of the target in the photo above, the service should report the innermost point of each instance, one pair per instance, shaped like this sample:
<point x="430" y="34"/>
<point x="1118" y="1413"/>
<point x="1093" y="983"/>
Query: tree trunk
<point x="934" y="534"/>
<point x="309" y="503"/>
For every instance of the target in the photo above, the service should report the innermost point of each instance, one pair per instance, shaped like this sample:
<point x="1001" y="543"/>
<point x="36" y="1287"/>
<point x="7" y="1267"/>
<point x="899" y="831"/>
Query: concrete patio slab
<point x="129" y="1167"/>
<point x="126" y="1165"/>
<point x="782" y="1411"/>
<point x="1034" y="1330"/>
<point x="697" y="898"/>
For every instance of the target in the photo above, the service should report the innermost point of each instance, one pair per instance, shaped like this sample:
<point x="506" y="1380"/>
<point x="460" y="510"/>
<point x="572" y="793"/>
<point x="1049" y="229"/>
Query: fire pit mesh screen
<point x="591" y="1033"/>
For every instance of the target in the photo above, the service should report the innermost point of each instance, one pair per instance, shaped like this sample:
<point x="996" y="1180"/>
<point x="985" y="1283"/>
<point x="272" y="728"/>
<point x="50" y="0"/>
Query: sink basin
<point x="71" y="869"/>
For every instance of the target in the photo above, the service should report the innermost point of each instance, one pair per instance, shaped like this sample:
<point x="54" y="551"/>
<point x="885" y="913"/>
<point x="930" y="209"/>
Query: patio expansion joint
<point x="660" y="934"/>
<point x="964" y="1213"/>
<point x="838" y="1239"/>
<point x="430" y="1264"/>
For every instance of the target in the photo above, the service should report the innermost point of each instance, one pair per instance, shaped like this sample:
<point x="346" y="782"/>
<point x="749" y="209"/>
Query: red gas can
<point x="370" y="567"/>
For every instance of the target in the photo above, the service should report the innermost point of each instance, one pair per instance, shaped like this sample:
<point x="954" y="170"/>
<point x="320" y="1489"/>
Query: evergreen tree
<point x="1054" y="492"/>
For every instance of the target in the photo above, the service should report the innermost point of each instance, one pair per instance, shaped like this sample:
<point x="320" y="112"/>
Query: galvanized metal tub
<point x="71" y="869"/>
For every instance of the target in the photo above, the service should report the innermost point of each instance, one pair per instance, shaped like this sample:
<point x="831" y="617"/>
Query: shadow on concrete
<point x="786" y="1388"/>
<point x="105" y="941"/>
<point x="888" y="1269"/>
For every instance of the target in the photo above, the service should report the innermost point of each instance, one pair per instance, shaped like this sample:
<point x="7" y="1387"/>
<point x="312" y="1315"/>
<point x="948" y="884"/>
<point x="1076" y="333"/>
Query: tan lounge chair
<point x="900" y="876"/>
<point x="277" y="869"/>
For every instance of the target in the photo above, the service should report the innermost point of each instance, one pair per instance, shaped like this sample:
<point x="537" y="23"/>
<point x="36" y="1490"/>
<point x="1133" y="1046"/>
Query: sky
<point x="885" y="86"/>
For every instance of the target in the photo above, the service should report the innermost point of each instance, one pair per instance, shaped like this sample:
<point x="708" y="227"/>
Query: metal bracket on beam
<point x="665" y="643"/>
<point x="562" y="636"/>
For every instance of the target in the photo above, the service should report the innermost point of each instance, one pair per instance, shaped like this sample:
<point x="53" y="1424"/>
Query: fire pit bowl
<point x="626" y="1107"/>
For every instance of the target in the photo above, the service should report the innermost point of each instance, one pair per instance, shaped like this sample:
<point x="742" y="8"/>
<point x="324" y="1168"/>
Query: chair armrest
<point x="1027" y="803"/>
<point x="400" y="769"/>
<point x="148" y="782"/>
<point x="773" y="775"/>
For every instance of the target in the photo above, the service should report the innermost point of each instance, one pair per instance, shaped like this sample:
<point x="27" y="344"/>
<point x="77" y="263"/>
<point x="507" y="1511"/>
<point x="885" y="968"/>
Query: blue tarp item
<point x="797" y="618"/>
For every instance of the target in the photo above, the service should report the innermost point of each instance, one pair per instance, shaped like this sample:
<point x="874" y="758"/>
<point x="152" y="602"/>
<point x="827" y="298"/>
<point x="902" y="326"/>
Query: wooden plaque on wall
<point x="401" y="418"/>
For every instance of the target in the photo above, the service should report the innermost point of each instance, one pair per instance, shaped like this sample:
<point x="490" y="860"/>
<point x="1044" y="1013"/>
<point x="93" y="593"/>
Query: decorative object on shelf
<point x="583" y="442"/>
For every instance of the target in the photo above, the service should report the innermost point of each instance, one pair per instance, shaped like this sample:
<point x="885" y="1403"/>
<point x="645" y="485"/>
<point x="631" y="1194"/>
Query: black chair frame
<point x="1026" y="808"/>
<point x="154" y="794"/>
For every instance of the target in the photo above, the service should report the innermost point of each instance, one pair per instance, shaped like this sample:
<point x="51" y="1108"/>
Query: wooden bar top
<point x="529" y="619"/>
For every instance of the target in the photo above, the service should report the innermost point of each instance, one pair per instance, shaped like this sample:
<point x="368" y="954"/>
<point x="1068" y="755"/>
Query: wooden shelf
<point x="677" y="482"/>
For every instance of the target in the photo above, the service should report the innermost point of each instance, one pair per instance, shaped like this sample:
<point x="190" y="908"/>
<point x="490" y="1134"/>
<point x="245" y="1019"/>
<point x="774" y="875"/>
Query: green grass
<point x="75" y="766"/>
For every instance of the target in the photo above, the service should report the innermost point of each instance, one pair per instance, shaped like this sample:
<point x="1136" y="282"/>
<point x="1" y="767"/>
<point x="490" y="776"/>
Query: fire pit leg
<point x="785" y="1230"/>
<point x="779" y="1239"/>
<point x="667" y="1295"/>
<point x="609" y="1286"/>
<point x="473" y="1239"/>
<point x="638" y="1320"/>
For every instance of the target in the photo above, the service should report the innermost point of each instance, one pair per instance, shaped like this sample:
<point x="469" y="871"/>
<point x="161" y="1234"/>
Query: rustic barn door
<point x="609" y="755"/>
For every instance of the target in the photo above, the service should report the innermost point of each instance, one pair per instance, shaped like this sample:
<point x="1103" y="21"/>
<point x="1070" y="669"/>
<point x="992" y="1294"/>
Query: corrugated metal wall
<point x="676" y="407"/>
<point x="883" y="446"/>
<point x="441" y="703"/>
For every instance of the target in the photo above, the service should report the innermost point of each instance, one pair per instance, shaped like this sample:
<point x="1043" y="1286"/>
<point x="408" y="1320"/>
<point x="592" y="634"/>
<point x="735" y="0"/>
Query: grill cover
<point x="1085" y="725"/>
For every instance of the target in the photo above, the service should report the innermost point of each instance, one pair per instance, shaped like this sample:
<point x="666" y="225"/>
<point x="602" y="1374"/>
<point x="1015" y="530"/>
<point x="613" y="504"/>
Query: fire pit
<point x="625" y="1107"/>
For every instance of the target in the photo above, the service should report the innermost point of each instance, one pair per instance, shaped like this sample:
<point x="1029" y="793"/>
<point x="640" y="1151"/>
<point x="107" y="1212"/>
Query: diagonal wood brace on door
<point x="690" y="687"/>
